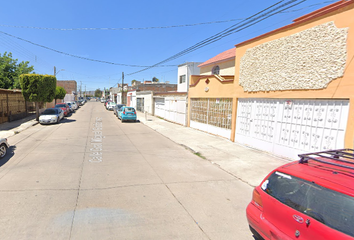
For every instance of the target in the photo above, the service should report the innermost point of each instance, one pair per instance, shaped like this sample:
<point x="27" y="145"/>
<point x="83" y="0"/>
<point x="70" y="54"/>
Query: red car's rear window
<point x="334" y="209"/>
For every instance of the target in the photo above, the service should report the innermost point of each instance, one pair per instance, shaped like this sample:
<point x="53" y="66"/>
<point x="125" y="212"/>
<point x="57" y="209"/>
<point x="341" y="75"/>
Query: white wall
<point x="188" y="69"/>
<point x="172" y="108"/>
<point x="69" y="97"/>
<point x="148" y="101"/>
<point x="132" y="96"/>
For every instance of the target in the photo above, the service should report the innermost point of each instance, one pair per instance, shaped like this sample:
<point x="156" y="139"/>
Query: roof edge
<point x="220" y="61"/>
<point x="320" y="12"/>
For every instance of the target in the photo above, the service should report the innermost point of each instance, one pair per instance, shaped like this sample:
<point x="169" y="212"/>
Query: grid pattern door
<point x="213" y="115"/>
<point x="291" y="126"/>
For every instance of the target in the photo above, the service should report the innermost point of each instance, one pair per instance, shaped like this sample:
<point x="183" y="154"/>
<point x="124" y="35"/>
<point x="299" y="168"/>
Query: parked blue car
<point x="127" y="114"/>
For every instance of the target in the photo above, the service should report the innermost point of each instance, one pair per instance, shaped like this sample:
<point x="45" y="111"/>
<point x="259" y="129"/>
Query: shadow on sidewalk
<point x="14" y="124"/>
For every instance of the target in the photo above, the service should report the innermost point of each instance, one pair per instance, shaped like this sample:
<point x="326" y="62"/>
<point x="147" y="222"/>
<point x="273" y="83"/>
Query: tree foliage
<point x="155" y="79"/>
<point x="98" y="93"/>
<point x="38" y="88"/>
<point x="10" y="71"/>
<point x="59" y="93"/>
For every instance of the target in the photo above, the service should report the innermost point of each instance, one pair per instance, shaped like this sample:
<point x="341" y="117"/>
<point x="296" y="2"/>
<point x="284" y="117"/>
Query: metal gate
<point x="213" y="115"/>
<point x="140" y="104"/>
<point x="288" y="127"/>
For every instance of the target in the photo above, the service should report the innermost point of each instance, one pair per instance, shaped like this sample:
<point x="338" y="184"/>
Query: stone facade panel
<point x="310" y="59"/>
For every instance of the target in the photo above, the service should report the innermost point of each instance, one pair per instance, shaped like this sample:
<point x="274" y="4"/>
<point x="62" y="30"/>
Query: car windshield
<point x="129" y="109"/>
<point x="49" y="112"/>
<point x="329" y="207"/>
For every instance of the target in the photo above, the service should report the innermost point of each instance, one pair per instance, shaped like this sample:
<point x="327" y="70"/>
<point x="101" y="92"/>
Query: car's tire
<point x="3" y="150"/>
<point x="57" y="120"/>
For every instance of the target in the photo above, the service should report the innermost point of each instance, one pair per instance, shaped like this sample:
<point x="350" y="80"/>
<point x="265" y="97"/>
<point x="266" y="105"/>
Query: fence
<point x="212" y="111"/>
<point x="13" y="106"/>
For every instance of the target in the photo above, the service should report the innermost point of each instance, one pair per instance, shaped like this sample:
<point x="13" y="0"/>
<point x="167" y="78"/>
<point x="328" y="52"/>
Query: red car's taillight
<point x="256" y="197"/>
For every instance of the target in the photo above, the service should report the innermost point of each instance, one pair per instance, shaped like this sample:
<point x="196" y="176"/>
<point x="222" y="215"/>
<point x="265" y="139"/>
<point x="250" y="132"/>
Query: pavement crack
<point x="186" y="210"/>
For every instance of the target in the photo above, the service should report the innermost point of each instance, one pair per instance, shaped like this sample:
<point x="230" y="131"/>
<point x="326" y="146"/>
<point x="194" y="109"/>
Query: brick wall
<point x="156" y="87"/>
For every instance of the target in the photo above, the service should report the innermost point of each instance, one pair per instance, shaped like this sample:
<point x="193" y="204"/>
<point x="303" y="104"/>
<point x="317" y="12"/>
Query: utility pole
<point x="122" y="86"/>
<point x="80" y="89"/>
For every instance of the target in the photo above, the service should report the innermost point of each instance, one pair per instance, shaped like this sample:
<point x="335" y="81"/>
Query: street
<point x="93" y="177"/>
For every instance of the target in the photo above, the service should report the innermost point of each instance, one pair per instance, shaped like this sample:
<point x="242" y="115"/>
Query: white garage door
<point x="289" y="127"/>
<point x="171" y="109"/>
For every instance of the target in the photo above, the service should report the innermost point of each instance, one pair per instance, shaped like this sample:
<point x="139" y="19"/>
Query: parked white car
<point x="74" y="105"/>
<point x="3" y="147"/>
<point x="111" y="105"/>
<point x="51" y="115"/>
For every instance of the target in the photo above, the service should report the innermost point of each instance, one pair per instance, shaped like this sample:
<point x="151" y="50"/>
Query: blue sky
<point x="34" y="21"/>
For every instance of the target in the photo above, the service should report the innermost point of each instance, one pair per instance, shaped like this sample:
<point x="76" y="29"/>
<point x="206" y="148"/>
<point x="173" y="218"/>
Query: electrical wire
<point x="148" y="28"/>
<point x="76" y="56"/>
<point x="244" y="24"/>
<point x="252" y="20"/>
<point x="125" y="28"/>
<point x="299" y="9"/>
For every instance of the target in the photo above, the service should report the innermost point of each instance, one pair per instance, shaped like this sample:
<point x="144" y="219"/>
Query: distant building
<point x="155" y="87"/>
<point x="185" y="71"/>
<point x="70" y="87"/>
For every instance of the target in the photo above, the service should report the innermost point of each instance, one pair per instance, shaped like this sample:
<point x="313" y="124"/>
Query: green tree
<point x="155" y="79"/>
<point x="38" y="88"/>
<point x="10" y="71"/>
<point x="98" y="93"/>
<point x="59" y="93"/>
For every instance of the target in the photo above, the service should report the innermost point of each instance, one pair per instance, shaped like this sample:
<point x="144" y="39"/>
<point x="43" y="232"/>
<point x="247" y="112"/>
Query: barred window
<point x="213" y="111"/>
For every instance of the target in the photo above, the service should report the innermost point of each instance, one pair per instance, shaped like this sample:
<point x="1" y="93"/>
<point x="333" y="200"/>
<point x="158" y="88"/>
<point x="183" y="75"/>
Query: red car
<point x="65" y="107"/>
<point x="308" y="199"/>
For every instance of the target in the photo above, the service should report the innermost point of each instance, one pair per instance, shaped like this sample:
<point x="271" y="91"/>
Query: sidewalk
<point x="247" y="164"/>
<point x="9" y="129"/>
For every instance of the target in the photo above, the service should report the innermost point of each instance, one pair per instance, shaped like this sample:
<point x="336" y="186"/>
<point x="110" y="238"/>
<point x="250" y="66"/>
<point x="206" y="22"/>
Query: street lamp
<point x="55" y="71"/>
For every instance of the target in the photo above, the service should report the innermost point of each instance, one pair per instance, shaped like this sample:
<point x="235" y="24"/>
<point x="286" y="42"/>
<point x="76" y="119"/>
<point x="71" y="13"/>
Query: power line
<point x="299" y="9"/>
<point x="124" y="28"/>
<point x="248" y="22"/>
<point x="75" y="56"/>
<point x="147" y="28"/>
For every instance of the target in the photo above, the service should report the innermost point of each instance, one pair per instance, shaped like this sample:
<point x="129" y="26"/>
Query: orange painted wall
<point x="341" y="88"/>
<point x="216" y="89"/>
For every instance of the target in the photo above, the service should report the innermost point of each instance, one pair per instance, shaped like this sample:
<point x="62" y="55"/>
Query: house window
<point x="216" y="70"/>
<point x="182" y="79"/>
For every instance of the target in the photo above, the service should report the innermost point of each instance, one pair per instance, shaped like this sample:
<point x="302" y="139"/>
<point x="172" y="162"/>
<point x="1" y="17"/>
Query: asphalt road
<point x="93" y="177"/>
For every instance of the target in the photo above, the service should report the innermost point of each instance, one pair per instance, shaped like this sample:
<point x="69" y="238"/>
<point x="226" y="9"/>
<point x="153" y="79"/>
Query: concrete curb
<point x="14" y="131"/>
